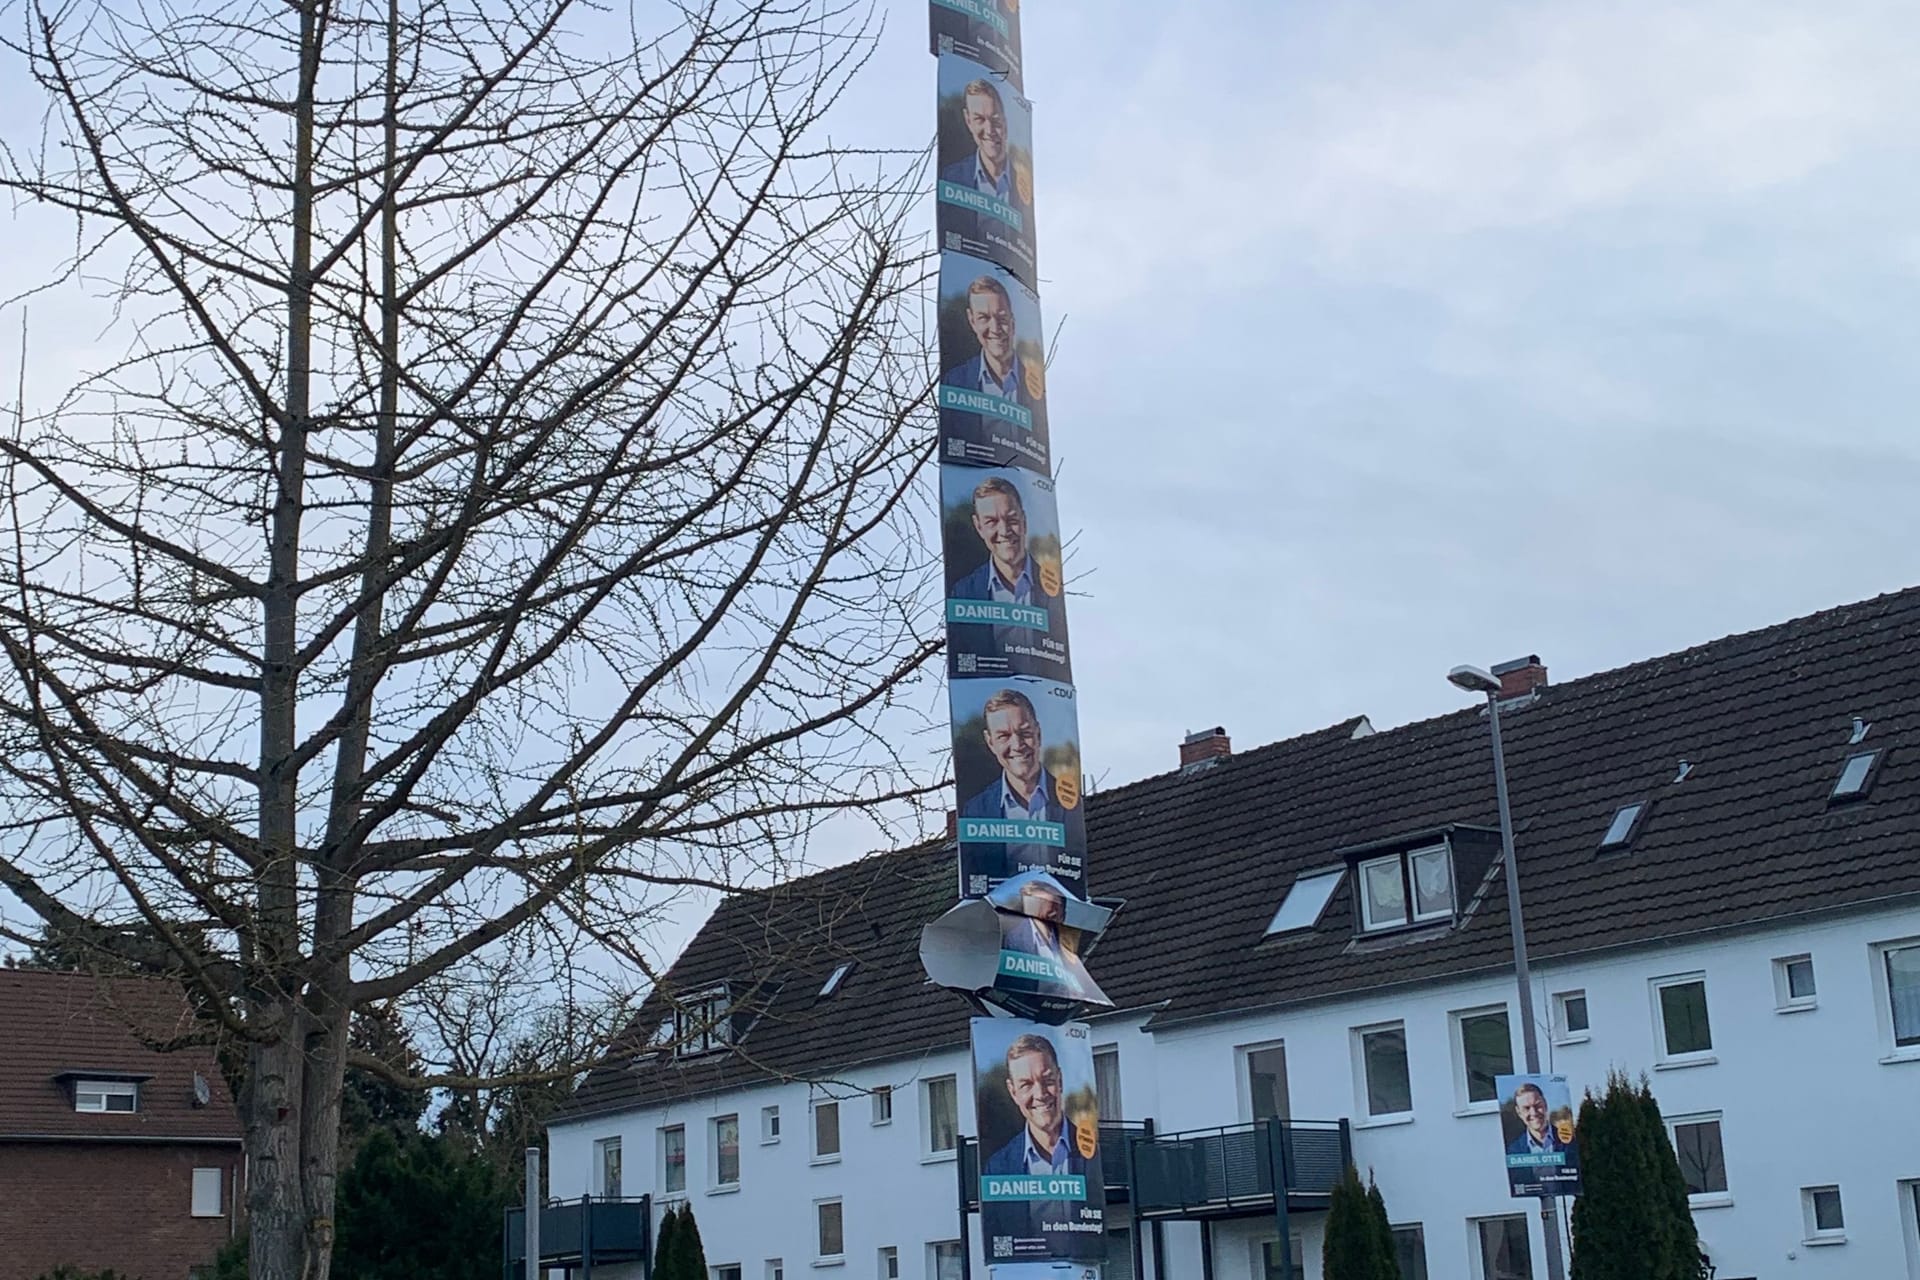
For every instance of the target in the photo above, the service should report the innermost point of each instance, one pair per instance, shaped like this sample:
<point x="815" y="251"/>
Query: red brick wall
<point x="96" y="1205"/>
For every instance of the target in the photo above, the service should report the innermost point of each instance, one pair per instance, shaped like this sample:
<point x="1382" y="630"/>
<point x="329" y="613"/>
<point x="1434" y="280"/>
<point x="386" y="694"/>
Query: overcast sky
<point x="1404" y="335"/>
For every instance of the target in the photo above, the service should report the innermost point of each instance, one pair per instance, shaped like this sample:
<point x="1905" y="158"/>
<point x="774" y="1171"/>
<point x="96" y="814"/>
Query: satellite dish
<point x="202" y="1095"/>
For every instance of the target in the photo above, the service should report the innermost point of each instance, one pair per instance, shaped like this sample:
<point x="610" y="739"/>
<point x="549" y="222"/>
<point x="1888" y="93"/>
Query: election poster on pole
<point x="1042" y="1192"/>
<point x="1537" y="1126"/>
<point x="984" y="200"/>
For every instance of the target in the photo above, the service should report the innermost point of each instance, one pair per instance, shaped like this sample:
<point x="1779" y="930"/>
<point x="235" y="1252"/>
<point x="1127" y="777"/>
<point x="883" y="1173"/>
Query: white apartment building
<point x="1314" y="948"/>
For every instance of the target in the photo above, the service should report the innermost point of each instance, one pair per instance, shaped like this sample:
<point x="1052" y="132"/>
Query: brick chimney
<point x="1207" y="744"/>
<point x="1521" y="676"/>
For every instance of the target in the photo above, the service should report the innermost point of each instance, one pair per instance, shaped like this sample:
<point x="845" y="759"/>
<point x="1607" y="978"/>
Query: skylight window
<point x="1305" y="901"/>
<point x="835" y="979"/>
<point x="1620" y="830"/>
<point x="1854" y="775"/>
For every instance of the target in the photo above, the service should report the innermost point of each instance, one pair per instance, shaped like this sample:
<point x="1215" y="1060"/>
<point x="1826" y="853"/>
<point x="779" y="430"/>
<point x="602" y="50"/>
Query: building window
<point x="728" y="1272"/>
<point x="1570" y="1017"/>
<point x="830" y="1243"/>
<point x="607" y="1161"/>
<point x="1306" y="900"/>
<point x="726" y="1152"/>
<point x="1855" y="774"/>
<point x="1483" y="1046"/>
<point x="769" y="1125"/>
<point x="673" y="1160"/>
<point x="1703" y="1159"/>
<point x="208" y="1198"/>
<point x="1820" y="1207"/>
<point x="1902" y="969"/>
<point x="889" y="1268"/>
<point x="883" y="1104"/>
<point x="826" y="1129"/>
<point x="1502" y="1248"/>
<point x="944" y="1260"/>
<point x="776" y="1269"/>
<point x="106" y="1095"/>
<point x="1106" y="1084"/>
<point x="1620" y="830"/>
<point x="1266" y="1067"/>
<point x="703" y="1023"/>
<point x="1386" y="1088"/>
<point x="835" y="980"/>
<point x="1793" y="986"/>
<point x="1406" y="888"/>
<point x="1680" y="1008"/>
<point x="1119" y="1263"/>
<point x="1270" y="1258"/>
<point x="942" y="1107"/>
<point x="1410" y="1248"/>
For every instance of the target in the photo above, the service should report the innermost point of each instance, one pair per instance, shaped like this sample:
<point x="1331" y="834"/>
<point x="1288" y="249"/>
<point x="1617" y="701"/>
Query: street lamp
<point x="1475" y="680"/>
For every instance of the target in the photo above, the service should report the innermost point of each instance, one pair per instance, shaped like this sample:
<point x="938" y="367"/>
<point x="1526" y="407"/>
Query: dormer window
<point x="703" y="1023"/>
<point x="106" y="1095"/>
<point x="1406" y="888"/>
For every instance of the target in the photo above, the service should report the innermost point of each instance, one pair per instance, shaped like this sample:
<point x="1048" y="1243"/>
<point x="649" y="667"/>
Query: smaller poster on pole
<point x="1042" y="1192"/>
<point x="987" y="31"/>
<point x="1016" y="759"/>
<point x="985" y="152"/>
<point x="1537" y="1127"/>
<point x="993" y="376"/>
<point x="1006" y="594"/>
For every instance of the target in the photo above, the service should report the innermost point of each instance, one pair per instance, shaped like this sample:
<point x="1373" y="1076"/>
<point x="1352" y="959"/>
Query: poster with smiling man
<point x="1016" y="758"/>
<point x="1042" y="1195"/>
<point x="993" y="376"/>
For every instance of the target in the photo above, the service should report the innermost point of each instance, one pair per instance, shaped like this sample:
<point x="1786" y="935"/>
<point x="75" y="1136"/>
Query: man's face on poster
<point x="987" y="122"/>
<point x="1001" y="524"/>
<point x="1531" y="1105"/>
<point x="1034" y="1081"/>
<point x="1013" y="736"/>
<point x="990" y="316"/>
<point x="1038" y="902"/>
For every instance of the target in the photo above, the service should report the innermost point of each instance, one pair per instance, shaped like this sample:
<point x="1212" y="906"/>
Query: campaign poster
<point x="1006" y="593"/>
<point x="1537" y="1125"/>
<point x="993" y="377"/>
<point x="1042" y="1195"/>
<point x="987" y="31"/>
<point x="1016" y="765"/>
<point x="985" y="148"/>
<point x="1043" y="931"/>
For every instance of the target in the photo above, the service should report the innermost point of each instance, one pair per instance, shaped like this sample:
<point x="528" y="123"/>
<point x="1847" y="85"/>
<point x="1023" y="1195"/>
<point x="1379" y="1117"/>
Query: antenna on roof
<point x="1860" y="731"/>
<point x="1685" y="769"/>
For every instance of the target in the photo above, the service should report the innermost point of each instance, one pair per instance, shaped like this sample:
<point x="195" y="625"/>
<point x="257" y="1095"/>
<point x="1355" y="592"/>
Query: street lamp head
<point x="1473" y="680"/>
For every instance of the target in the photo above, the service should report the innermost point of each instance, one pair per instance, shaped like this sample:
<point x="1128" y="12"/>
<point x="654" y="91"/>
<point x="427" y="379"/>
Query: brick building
<point x="112" y="1153"/>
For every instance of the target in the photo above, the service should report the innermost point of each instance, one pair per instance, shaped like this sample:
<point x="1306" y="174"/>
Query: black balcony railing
<point x="1233" y="1170"/>
<point x="582" y="1234"/>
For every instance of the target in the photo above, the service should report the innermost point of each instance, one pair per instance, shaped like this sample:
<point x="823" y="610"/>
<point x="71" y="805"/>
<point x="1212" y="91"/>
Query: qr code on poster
<point x="1003" y="1246"/>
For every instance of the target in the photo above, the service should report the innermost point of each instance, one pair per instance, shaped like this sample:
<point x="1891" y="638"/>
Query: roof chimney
<point x="1521" y="676"/>
<point x="1204" y="746"/>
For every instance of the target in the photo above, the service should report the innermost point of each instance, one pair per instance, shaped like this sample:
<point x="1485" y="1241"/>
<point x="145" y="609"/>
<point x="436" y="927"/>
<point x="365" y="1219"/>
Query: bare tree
<point x="494" y="517"/>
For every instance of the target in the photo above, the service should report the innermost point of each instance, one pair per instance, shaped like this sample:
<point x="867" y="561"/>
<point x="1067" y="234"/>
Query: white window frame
<point x="1113" y="1107"/>
<point x="1477" y="1259"/>
<point x="1666" y="1059"/>
<point x="776" y="1269"/>
<point x="1394" y="1231"/>
<point x="821" y="1259"/>
<point x="718" y="1271"/>
<point x="770" y="1124"/>
<point x="103" y="1090"/>
<point x="1296" y="1243"/>
<point x="1409" y="892"/>
<point x="928" y="1154"/>
<point x="882" y="1105"/>
<point x="1705" y="1199"/>
<point x="934" y="1247"/>
<point x="601" y="1146"/>
<point x="1784" y="1001"/>
<point x="1357" y="1043"/>
<point x="1561" y="1033"/>
<point x="815" y="1155"/>
<point x="887" y="1253"/>
<point x="1814" y="1236"/>
<point x="703" y="1023"/>
<point x="666" y="1169"/>
<point x="1243" y="1075"/>
<point x="1910" y="1224"/>
<point x="205" y="1203"/>
<point x="1891" y="1052"/>
<point x="716" y="1186"/>
<point x="1463" y="1104"/>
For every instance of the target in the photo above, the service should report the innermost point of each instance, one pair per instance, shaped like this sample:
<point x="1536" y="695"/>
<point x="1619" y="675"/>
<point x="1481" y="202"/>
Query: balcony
<point x="1231" y="1172"/>
<point x="583" y="1234"/>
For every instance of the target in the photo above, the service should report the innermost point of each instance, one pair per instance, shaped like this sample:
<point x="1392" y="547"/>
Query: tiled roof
<point x="1204" y="858"/>
<point x="53" y="1023"/>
